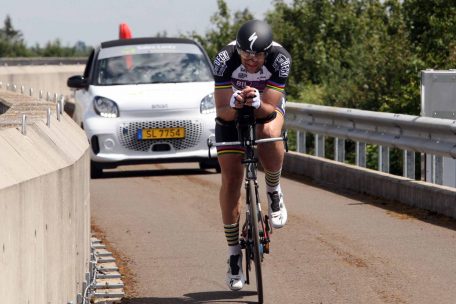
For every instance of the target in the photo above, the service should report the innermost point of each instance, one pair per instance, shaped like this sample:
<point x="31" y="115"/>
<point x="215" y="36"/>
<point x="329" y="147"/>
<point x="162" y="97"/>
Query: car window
<point x="152" y="64"/>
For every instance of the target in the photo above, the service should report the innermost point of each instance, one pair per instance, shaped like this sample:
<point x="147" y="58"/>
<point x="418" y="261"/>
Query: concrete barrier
<point x="345" y="177"/>
<point x="44" y="204"/>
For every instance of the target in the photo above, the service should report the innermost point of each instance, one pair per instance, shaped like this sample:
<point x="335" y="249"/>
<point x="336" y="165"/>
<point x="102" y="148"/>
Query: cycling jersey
<point x="230" y="73"/>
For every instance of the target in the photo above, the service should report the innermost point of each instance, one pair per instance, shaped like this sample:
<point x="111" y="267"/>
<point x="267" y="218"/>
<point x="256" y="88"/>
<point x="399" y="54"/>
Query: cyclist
<point x="250" y="71"/>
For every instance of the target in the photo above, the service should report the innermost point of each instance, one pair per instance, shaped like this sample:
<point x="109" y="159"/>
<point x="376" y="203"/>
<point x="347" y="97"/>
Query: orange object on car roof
<point x="124" y="31"/>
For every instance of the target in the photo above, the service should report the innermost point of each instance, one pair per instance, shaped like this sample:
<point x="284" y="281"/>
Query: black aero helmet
<point x="254" y="36"/>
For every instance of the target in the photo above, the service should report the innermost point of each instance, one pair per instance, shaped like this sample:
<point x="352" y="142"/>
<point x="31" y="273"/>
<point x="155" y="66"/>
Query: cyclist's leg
<point x="271" y="157"/>
<point x="232" y="173"/>
<point x="230" y="190"/>
<point x="271" y="154"/>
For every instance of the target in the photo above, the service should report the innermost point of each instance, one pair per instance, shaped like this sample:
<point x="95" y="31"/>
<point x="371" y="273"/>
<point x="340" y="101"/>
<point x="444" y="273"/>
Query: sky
<point x="94" y="21"/>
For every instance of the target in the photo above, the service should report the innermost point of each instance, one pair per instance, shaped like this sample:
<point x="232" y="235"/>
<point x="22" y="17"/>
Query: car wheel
<point x="95" y="170"/>
<point x="210" y="164"/>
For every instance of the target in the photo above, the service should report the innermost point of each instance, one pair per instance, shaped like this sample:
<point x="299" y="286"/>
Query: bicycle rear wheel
<point x="253" y="208"/>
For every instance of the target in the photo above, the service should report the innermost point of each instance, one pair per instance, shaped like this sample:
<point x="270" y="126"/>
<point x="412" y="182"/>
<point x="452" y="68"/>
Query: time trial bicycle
<point x="256" y="230"/>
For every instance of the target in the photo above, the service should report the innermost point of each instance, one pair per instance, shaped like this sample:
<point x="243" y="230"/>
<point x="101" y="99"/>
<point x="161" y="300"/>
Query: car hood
<point x="168" y="96"/>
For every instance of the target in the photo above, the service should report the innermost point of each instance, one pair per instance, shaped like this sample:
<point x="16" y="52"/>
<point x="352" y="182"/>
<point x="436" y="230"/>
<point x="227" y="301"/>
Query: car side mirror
<point x="77" y="82"/>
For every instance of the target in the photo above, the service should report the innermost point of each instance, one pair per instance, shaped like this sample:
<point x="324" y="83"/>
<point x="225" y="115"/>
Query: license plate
<point x="161" y="133"/>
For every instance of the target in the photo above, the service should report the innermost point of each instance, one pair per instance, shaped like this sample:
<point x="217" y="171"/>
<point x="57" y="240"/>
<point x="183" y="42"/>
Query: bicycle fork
<point x="264" y="226"/>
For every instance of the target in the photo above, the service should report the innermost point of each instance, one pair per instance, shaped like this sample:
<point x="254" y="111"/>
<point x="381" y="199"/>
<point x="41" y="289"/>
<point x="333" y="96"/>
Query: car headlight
<point x="207" y="104"/>
<point x="105" y="107"/>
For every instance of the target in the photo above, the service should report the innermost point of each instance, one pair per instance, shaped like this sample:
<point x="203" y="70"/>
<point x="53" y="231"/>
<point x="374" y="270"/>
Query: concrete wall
<point x="44" y="205"/>
<point x="344" y="177"/>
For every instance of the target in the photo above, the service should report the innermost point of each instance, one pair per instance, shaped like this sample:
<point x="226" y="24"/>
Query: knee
<point x="268" y="130"/>
<point x="232" y="180"/>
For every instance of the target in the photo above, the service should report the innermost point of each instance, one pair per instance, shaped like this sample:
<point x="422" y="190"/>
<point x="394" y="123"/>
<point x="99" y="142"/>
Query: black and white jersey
<point x="230" y="73"/>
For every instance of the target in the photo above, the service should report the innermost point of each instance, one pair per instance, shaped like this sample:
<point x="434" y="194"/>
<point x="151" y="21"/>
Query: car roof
<point x="144" y="40"/>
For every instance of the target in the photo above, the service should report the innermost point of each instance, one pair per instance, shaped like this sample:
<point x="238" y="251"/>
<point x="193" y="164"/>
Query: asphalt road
<point x="164" y="224"/>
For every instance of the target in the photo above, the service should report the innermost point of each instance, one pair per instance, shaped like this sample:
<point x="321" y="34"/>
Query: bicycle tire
<point x="247" y="248"/>
<point x="256" y="238"/>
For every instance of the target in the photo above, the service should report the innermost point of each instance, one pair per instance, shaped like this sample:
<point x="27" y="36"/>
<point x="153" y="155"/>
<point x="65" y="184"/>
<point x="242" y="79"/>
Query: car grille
<point x="128" y="134"/>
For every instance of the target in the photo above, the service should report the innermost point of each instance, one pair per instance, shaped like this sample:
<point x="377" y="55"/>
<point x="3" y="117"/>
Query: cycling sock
<point x="272" y="180"/>
<point x="232" y="237"/>
<point x="234" y="250"/>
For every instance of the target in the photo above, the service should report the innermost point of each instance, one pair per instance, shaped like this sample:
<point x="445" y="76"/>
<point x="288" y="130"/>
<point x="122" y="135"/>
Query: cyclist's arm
<point x="222" y="104"/>
<point x="270" y="99"/>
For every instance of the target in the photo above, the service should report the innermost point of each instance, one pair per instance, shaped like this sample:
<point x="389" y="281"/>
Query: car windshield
<point x="154" y="63"/>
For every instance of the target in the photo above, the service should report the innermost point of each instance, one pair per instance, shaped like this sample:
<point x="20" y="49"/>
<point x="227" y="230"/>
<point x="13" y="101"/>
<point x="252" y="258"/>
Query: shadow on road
<point x="393" y="208"/>
<point x="156" y="172"/>
<point x="198" y="297"/>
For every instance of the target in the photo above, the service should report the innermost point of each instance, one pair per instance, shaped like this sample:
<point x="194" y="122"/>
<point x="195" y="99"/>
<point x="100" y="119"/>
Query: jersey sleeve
<point x="280" y="66"/>
<point x="223" y="68"/>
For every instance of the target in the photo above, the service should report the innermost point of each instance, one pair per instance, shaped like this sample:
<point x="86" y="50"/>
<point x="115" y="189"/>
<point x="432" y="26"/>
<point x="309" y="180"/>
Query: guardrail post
<point x="409" y="164"/>
<point x="48" y="122"/>
<point x="301" y="141"/>
<point x="437" y="169"/>
<point x="319" y="145"/>
<point x="339" y="149"/>
<point x="383" y="159"/>
<point x="24" y="124"/>
<point x="62" y="104"/>
<point x="361" y="154"/>
<point x="58" y="111"/>
<point x="423" y="166"/>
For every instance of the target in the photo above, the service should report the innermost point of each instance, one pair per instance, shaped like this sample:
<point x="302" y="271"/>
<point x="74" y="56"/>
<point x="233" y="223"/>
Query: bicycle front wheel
<point x="257" y="250"/>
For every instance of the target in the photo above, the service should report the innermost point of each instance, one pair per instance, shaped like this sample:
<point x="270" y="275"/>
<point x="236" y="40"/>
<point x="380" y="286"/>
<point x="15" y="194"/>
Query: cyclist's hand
<point x="251" y="97"/>
<point x="236" y="100"/>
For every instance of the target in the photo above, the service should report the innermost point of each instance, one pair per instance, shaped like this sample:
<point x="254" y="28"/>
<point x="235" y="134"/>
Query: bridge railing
<point x="411" y="134"/>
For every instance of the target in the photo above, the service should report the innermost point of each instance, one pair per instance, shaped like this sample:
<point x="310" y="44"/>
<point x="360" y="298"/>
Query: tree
<point x="11" y="41"/>
<point x="432" y="27"/>
<point x="225" y="30"/>
<point x="349" y="53"/>
<point x="9" y="33"/>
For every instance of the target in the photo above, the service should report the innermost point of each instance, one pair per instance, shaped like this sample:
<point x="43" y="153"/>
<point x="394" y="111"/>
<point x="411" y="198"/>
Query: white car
<point x="146" y="100"/>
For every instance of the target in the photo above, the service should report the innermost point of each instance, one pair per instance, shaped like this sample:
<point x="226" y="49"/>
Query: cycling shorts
<point x="225" y="131"/>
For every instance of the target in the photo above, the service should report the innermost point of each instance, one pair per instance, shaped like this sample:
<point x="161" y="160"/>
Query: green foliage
<point x="354" y="54"/>
<point x="55" y="49"/>
<point x="226" y="27"/>
<point x="432" y="28"/>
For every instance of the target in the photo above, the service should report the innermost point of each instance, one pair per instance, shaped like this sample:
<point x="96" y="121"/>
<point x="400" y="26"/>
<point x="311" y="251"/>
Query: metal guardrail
<point x="409" y="133"/>
<point x="22" y="119"/>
